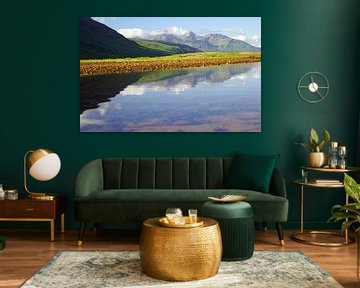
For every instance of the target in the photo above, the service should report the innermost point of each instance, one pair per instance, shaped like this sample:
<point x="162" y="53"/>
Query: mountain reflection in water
<point x="210" y="99"/>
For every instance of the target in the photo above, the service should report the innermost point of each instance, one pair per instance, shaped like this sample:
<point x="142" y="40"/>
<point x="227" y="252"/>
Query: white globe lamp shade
<point x="44" y="164"/>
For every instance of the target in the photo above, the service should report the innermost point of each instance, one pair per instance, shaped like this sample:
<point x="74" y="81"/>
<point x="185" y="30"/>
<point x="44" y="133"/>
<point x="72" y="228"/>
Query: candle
<point x="342" y="154"/>
<point x="333" y="144"/>
<point x="342" y="149"/>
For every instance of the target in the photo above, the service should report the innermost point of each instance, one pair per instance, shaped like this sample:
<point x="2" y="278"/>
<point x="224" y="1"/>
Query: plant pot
<point x="317" y="159"/>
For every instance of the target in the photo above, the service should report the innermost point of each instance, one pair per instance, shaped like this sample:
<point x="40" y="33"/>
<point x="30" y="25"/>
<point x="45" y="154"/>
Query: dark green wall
<point x="40" y="88"/>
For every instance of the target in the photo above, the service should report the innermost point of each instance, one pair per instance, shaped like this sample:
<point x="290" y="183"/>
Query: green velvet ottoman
<point x="236" y="221"/>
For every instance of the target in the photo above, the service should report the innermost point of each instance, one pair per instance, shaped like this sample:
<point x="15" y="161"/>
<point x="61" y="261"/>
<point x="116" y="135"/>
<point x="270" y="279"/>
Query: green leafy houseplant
<point x="349" y="214"/>
<point x="316" y="157"/>
<point x="314" y="144"/>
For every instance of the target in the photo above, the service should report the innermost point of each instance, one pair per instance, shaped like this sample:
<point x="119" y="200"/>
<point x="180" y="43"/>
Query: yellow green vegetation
<point x="140" y="64"/>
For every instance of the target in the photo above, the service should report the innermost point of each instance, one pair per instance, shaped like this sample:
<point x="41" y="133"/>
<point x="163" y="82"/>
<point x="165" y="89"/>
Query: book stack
<point x="327" y="181"/>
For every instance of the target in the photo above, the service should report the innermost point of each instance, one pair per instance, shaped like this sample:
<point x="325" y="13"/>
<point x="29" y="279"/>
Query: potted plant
<point x="317" y="157"/>
<point x="350" y="213"/>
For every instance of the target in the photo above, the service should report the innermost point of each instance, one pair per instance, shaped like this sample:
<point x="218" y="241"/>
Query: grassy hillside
<point x="98" y="41"/>
<point x="166" y="48"/>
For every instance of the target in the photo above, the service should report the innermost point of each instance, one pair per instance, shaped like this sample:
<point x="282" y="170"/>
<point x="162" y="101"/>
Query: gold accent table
<point x="180" y="254"/>
<point x="297" y="236"/>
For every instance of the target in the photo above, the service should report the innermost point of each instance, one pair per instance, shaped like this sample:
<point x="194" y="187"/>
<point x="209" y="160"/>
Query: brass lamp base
<point x="41" y="196"/>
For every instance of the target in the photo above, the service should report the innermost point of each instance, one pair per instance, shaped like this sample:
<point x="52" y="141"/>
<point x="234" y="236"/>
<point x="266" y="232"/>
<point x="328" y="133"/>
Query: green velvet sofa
<point x="130" y="190"/>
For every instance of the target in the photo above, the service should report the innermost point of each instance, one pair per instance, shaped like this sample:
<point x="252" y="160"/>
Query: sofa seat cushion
<point x="266" y="207"/>
<point x="166" y="195"/>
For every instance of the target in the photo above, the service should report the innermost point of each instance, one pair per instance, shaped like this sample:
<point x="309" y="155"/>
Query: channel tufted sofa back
<point x="164" y="173"/>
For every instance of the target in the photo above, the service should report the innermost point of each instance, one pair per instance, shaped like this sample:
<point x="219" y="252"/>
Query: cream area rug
<point x="80" y="269"/>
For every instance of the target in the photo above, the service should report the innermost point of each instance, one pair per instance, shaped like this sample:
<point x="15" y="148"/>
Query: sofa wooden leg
<point x="81" y="233"/>
<point x="280" y="233"/>
<point x="265" y="227"/>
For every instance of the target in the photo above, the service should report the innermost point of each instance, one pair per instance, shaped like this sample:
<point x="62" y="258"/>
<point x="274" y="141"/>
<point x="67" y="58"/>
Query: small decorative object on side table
<point x="2" y="192"/>
<point x="333" y="161"/>
<point x="316" y="157"/>
<point x="11" y="194"/>
<point x="342" y="154"/>
<point x="297" y="236"/>
<point x="27" y="209"/>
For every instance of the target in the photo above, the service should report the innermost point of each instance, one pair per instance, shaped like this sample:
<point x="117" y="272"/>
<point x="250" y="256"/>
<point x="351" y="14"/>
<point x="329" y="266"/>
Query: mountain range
<point x="98" y="41"/>
<point x="207" y="43"/>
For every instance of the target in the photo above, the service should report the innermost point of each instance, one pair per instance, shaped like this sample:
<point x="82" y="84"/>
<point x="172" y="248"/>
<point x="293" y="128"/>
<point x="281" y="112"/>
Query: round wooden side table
<point x="180" y="254"/>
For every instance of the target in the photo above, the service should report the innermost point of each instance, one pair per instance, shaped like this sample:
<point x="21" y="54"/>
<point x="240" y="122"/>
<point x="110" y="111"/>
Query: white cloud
<point x="243" y="78"/>
<point x="85" y="119"/>
<point x="133" y="33"/>
<point x="254" y="40"/>
<point x="241" y="37"/>
<point x="141" y="89"/>
<point x="178" y="31"/>
<point x="134" y="90"/>
<point x="140" y="33"/>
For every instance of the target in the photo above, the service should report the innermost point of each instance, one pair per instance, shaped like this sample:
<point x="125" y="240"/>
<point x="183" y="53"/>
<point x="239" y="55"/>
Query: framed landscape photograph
<point x="170" y="74"/>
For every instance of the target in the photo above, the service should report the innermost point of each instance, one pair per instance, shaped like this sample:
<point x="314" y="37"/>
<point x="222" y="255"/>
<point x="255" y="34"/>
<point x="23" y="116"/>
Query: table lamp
<point x="43" y="165"/>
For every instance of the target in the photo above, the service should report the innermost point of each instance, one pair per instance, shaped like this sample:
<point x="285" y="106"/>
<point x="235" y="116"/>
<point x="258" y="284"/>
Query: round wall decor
<point x="313" y="87"/>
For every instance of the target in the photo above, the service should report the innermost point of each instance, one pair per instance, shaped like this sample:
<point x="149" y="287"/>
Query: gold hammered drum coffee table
<point x="180" y="254"/>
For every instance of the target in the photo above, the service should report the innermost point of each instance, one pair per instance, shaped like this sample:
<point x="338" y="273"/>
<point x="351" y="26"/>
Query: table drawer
<point x="28" y="209"/>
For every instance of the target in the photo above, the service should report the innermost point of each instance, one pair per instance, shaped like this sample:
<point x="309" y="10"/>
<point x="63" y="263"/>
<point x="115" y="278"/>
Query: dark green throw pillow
<point x="251" y="172"/>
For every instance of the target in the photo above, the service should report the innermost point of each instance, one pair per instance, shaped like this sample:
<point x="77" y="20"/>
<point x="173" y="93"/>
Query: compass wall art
<point x="313" y="87"/>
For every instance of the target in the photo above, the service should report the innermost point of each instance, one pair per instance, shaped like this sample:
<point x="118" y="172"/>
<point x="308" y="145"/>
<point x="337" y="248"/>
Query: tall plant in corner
<point x="350" y="213"/>
<point x="317" y="157"/>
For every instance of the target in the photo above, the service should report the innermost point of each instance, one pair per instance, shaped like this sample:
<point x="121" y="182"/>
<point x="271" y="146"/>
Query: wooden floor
<point x="28" y="250"/>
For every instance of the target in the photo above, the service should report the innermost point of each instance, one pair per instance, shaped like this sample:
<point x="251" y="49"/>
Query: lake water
<point x="224" y="98"/>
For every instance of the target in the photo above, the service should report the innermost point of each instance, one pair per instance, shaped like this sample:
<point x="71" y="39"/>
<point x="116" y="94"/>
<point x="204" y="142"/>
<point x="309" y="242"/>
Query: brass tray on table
<point x="188" y="224"/>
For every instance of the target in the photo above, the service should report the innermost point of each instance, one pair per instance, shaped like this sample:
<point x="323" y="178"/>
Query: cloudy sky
<point x="242" y="28"/>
